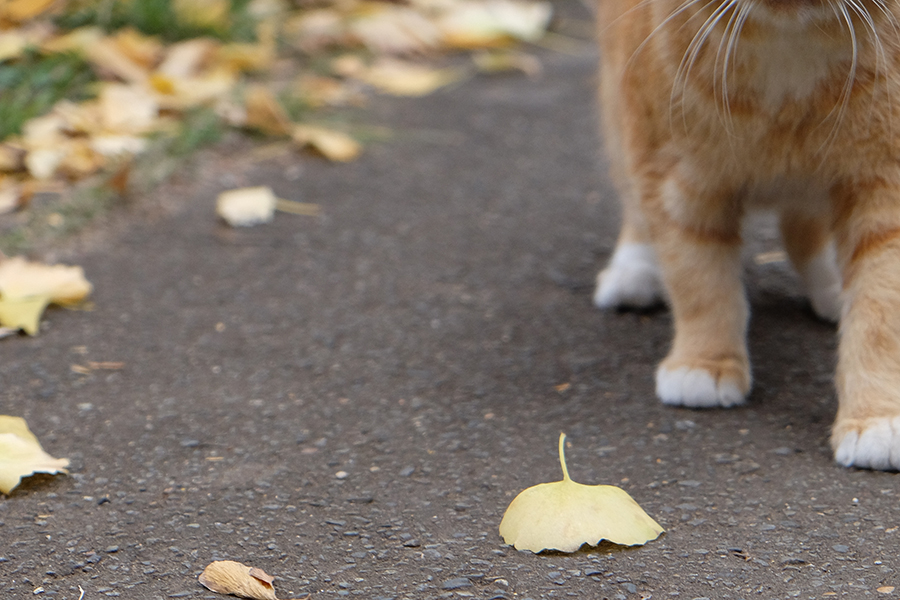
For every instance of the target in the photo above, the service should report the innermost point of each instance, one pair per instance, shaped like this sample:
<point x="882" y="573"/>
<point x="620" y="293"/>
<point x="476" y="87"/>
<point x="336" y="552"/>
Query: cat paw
<point x="868" y="443"/>
<point x="699" y="387"/>
<point x="630" y="280"/>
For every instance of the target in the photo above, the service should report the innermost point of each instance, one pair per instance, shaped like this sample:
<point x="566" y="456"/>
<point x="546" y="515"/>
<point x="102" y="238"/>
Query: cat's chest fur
<point x="789" y="65"/>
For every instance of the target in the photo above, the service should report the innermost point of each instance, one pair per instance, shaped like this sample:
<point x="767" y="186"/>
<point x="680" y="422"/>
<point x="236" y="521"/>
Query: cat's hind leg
<point x="807" y="240"/>
<point x="632" y="278"/>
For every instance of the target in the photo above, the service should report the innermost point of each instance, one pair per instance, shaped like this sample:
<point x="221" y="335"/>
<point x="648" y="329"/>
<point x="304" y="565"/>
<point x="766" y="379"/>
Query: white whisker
<point x="692" y="53"/>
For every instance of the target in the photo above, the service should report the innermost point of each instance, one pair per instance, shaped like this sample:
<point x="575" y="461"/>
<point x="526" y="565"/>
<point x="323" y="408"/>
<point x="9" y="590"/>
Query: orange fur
<point x="711" y="109"/>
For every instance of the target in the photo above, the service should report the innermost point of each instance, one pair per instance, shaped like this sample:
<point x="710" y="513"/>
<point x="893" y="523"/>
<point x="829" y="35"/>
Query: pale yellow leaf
<point x="127" y="109"/>
<point x="42" y="163"/>
<point x="388" y="28"/>
<point x="403" y="78"/>
<point x="43" y="131"/>
<point x="118" y="145"/>
<point x="247" y="57"/>
<point x="175" y="93"/>
<point x="77" y="40"/>
<point x="245" y="207"/>
<point x="333" y="145"/>
<point x="80" y="159"/>
<point x="186" y="59"/>
<point x="203" y="13"/>
<point x="23" y="313"/>
<point x="498" y="61"/>
<point x="264" y="112"/>
<point x="565" y="515"/>
<point x="12" y="44"/>
<point x="21" y="279"/>
<point x="312" y="30"/>
<point x="21" y="454"/>
<point x="230" y="577"/>
<point x="106" y="56"/>
<point x="471" y="24"/>
<point x="143" y="50"/>
<point x="885" y="589"/>
<point x="320" y="91"/>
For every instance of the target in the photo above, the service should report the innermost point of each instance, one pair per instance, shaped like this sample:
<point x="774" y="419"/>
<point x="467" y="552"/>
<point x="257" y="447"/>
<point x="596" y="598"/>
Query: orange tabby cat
<point x="715" y="107"/>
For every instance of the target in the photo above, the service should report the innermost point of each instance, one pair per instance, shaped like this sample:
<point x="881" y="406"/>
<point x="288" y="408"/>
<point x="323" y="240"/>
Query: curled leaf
<point x="333" y="145"/>
<point x="230" y="577"/>
<point x="565" y="514"/>
<point x="21" y="454"/>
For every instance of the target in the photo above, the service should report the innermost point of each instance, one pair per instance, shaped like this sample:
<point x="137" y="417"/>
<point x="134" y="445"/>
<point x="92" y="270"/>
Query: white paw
<point x="696" y="388"/>
<point x="823" y="284"/>
<point x="630" y="280"/>
<point x="877" y="447"/>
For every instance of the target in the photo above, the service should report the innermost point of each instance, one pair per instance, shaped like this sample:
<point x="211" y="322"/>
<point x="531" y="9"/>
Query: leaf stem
<point x="562" y="456"/>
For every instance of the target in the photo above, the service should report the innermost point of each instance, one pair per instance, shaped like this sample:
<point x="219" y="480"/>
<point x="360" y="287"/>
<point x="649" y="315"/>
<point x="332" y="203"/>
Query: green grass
<point x="32" y="84"/>
<point x="156" y="17"/>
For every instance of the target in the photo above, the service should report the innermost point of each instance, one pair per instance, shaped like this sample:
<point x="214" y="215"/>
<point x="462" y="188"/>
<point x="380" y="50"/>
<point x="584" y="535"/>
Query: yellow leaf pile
<point x="26" y="288"/>
<point x="147" y="85"/>
<point x="565" y="515"/>
<point x="21" y="454"/>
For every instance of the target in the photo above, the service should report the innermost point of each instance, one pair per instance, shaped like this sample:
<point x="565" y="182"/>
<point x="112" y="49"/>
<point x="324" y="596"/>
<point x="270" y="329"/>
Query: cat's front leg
<point x="866" y="432"/>
<point x="696" y="232"/>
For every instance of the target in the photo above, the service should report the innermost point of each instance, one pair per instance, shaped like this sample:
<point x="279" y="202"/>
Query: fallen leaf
<point x="565" y="514"/>
<point x="23" y="313"/>
<point x="404" y="78"/>
<point x="264" y="112"/>
<point x="215" y="14"/>
<point x="499" y="61"/>
<point x="21" y="454"/>
<point x="471" y="24"/>
<point x="334" y="145"/>
<point x="22" y="10"/>
<point x="392" y="29"/>
<point x="245" y="207"/>
<point x="230" y="577"/>
<point x="886" y="589"/>
<point x="21" y="279"/>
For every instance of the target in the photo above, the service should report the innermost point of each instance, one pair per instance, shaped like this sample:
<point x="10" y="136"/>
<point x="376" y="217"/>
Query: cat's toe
<point x="868" y="443"/>
<point x="631" y="280"/>
<point x="698" y="388"/>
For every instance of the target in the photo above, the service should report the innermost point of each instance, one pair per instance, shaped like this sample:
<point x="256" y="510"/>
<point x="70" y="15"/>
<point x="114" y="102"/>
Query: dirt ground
<point x="350" y="402"/>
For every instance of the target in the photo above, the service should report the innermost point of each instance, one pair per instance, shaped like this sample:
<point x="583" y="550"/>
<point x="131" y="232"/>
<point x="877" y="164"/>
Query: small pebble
<point x="341" y="474"/>
<point x="457" y="583"/>
<point x="840" y="548"/>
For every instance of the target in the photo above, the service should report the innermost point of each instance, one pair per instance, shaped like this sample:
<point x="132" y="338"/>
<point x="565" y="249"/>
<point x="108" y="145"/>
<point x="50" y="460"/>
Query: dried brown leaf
<point x="265" y="113"/>
<point x="230" y="577"/>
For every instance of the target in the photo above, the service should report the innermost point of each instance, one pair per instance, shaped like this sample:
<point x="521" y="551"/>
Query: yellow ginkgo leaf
<point x="564" y="515"/>
<point x="404" y="78"/>
<point x="21" y="279"/>
<point x="21" y="454"/>
<point x="23" y="313"/>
